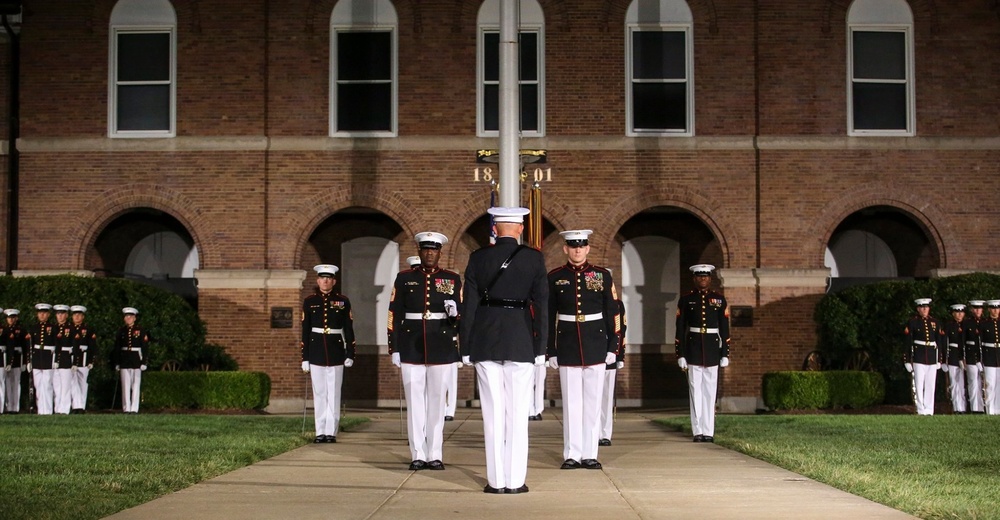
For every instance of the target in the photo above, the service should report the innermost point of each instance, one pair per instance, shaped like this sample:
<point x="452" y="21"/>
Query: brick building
<point x="238" y="143"/>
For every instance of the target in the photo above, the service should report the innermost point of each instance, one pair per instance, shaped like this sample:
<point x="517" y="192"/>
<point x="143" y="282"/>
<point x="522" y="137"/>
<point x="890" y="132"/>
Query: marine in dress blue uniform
<point x="506" y="302"/>
<point x="423" y="343"/>
<point x="14" y="341"/>
<point x="926" y="338"/>
<point x="130" y="355"/>
<point x="583" y="339"/>
<point x="953" y="361"/>
<point x="989" y="331"/>
<point x="702" y="346"/>
<point x="62" y="380"/>
<point x="973" y="355"/>
<point x="42" y="359"/>
<point x="327" y="347"/>
<point x="84" y="351"/>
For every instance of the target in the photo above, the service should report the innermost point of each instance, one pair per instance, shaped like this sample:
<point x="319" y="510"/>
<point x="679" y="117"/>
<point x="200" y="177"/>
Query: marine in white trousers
<point x="538" y="392"/>
<point x="44" y="396"/>
<point x="131" y="388"/>
<point x="13" y="390"/>
<point x="451" y="390"/>
<point x="62" y="388"/>
<point x="326" y="385"/>
<point x="608" y="404"/>
<point x="505" y="394"/>
<point x="991" y="398"/>
<point x="4" y="376"/>
<point x="424" y="386"/>
<point x="582" y="388"/>
<point x="956" y="386"/>
<point x="974" y="384"/>
<point x="924" y="385"/>
<point x="703" y="383"/>
<point x="80" y="386"/>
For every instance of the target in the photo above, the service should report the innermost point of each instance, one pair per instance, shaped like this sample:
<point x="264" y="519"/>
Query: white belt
<point x="133" y="349"/>
<point x="703" y="331"/>
<point x="17" y="349"/>
<point x="925" y="343"/>
<point x="320" y="330"/>
<point x="66" y="349"/>
<point x="46" y="347"/>
<point x="83" y="348"/>
<point x="970" y="342"/>
<point x="425" y="316"/>
<point x="953" y="345"/>
<point x="580" y="317"/>
<point x="991" y="345"/>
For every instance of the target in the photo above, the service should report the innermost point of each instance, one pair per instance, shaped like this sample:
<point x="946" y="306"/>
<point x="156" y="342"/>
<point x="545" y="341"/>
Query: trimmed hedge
<point x="205" y="390"/>
<point x="821" y="390"/>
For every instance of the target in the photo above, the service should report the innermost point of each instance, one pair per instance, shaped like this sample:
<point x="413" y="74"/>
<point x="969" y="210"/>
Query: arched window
<point x="880" y="98"/>
<point x="142" y="87"/>
<point x="659" y="69"/>
<point x="531" y="80"/>
<point x="363" y="69"/>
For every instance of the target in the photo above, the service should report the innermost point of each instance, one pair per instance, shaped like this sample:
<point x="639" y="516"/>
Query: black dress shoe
<point x="707" y="438"/>
<point x="604" y="442"/>
<point x="569" y="464"/>
<point x="591" y="464"/>
<point x="538" y="417"/>
<point x="448" y="418"/>
<point x="699" y="438"/>
<point x="493" y="490"/>
<point x="319" y="439"/>
<point x="522" y="489"/>
<point x="418" y="465"/>
<point x="435" y="465"/>
<point x="330" y="439"/>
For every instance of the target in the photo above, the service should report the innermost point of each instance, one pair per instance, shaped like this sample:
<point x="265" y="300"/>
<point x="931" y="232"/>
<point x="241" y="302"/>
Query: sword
<point x="305" y="400"/>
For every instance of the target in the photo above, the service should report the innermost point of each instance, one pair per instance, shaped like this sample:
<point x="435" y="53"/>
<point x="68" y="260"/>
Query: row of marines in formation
<point x="514" y="320"/>
<point x="965" y="347"/>
<point x="57" y="357"/>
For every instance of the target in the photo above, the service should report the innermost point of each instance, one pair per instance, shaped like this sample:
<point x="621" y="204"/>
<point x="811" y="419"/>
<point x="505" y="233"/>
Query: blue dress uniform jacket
<point x="989" y="330"/>
<point x="973" y="348"/>
<point x="131" y="348"/>
<point x="327" y="329"/>
<point x="418" y="294"/>
<point x="84" y="344"/>
<point x="702" y="333"/>
<point x="927" y="341"/>
<point x="583" y="315"/>
<point x="955" y="333"/>
<point x="501" y="327"/>
<point x="42" y="335"/>
<point x="15" y="342"/>
<point x="64" y="346"/>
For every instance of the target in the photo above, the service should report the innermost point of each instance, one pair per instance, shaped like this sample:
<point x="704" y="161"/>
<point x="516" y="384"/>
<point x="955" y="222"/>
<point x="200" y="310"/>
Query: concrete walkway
<point x="648" y="473"/>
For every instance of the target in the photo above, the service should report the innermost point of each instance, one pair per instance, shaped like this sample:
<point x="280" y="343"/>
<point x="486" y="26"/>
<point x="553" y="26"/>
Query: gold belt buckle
<point x="704" y="330"/>
<point x="327" y="330"/>
<point x="427" y="314"/>
<point x="581" y="318"/>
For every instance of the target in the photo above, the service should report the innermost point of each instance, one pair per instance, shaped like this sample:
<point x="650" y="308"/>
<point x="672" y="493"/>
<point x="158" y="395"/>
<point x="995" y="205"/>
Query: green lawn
<point x="945" y="466"/>
<point x="90" y="466"/>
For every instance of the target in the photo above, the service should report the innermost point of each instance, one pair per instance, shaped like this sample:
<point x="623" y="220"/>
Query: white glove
<point x="620" y="364"/>
<point x="142" y="368"/>
<point x="554" y="363"/>
<point x="348" y="363"/>
<point x="466" y="361"/>
<point x="724" y="362"/>
<point x="73" y="368"/>
<point x="451" y="308"/>
<point x="89" y="366"/>
<point x="6" y="368"/>
<point x="459" y="364"/>
<point x="539" y="360"/>
<point x="944" y="368"/>
<point x="117" y="367"/>
<point x="55" y="364"/>
<point x="908" y="367"/>
<point x="610" y="358"/>
<point x="978" y="365"/>
<point x="937" y="366"/>
<point x="961" y="364"/>
<point x="395" y="360"/>
<point x="683" y="363"/>
<point x="305" y="366"/>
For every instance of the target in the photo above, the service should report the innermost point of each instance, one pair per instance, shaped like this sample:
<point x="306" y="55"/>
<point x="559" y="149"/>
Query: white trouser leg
<point x="79" y="395"/>
<point x="3" y="389"/>
<point x="956" y="382"/>
<point x="571" y="383"/>
<point x="925" y="381"/>
<point x="415" y="389"/>
<point x="505" y="393"/>
<point x="538" y="392"/>
<point x="62" y="386"/>
<point x="974" y="385"/>
<point x="451" y="390"/>
<point x="702" y="386"/>
<point x="14" y="389"/>
<point x="991" y="376"/>
<point x="43" y="390"/>
<point x="608" y="404"/>
<point x="131" y="386"/>
<point x="489" y="377"/>
<point x="327" y="382"/>
<point x="593" y="390"/>
<point x="437" y="384"/>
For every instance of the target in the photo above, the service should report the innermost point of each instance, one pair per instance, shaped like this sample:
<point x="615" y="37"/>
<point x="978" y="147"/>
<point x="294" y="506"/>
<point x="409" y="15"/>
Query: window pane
<point x="879" y="106"/>
<point x="143" y="107"/>
<point x="658" y="55"/>
<point x="659" y="106"/>
<point x="144" y="57"/>
<point x="529" y="108"/>
<point x="529" y="56"/>
<point x="491" y="57"/>
<point x="879" y="55"/>
<point x="491" y="108"/>
<point x="364" y="55"/>
<point x="365" y="107"/>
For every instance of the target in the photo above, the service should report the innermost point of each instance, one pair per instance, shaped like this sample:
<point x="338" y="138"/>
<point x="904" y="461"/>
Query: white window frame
<point x="486" y="24"/>
<point x="131" y="17"/>
<point x="380" y="18"/>
<point x="674" y="16"/>
<point x="872" y="16"/>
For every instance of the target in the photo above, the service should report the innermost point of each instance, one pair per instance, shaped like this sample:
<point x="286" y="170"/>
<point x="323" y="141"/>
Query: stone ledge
<point x="249" y="279"/>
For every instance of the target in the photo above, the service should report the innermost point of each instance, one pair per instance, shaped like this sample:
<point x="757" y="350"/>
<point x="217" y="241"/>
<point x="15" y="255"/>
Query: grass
<point x="90" y="466"/>
<point x="933" y="467"/>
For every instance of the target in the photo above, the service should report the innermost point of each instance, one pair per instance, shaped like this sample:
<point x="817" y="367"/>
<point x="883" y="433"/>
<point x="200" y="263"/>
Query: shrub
<point x="822" y="390"/>
<point x="206" y="390"/>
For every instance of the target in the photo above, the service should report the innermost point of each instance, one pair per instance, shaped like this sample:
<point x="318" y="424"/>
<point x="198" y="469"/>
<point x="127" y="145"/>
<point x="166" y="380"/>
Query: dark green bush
<point x="205" y="390"/>
<point x="872" y="317"/>
<point x="822" y="390"/>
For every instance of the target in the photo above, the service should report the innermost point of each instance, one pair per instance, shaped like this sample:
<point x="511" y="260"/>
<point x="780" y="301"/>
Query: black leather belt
<point x="503" y="302"/>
